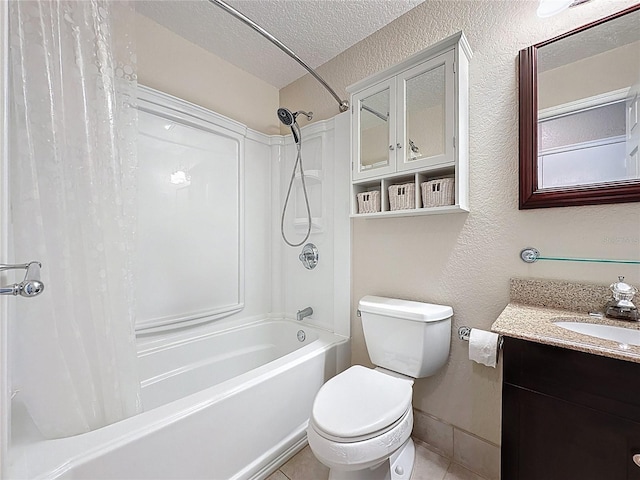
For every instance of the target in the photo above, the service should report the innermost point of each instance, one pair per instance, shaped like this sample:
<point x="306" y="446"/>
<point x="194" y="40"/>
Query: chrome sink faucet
<point x="306" y="312"/>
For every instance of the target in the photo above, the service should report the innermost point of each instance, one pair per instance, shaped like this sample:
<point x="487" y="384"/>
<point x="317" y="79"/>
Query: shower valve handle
<point x="309" y="256"/>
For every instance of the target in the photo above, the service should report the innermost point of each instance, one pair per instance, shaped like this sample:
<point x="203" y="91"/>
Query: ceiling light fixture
<point x="548" y="8"/>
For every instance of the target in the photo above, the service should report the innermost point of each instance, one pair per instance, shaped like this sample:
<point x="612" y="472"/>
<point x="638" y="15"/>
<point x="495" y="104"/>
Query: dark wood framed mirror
<point x="579" y="102"/>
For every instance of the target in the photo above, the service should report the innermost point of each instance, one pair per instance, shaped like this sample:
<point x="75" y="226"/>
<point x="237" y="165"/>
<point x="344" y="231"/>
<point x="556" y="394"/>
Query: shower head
<point x="288" y="118"/>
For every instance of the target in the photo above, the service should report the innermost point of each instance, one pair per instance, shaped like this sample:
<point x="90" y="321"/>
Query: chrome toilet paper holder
<point x="464" y="332"/>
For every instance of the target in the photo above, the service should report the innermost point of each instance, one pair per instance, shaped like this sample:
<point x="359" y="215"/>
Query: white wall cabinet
<point x="410" y="125"/>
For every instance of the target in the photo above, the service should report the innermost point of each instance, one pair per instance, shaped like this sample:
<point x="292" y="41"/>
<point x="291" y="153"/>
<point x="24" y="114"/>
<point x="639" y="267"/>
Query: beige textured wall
<point x="169" y="63"/>
<point x="466" y="260"/>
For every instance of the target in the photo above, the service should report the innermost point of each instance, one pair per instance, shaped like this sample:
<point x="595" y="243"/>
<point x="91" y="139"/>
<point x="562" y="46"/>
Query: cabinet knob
<point x="636" y="459"/>
<point x="391" y="147"/>
<point x="399" y="146"/>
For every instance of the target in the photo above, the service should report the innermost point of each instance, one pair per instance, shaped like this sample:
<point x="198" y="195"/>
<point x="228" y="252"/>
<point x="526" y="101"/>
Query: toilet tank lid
<point x="407" y="309"/>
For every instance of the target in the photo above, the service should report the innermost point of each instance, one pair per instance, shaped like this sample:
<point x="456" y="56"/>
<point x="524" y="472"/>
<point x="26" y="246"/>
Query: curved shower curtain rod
<point x="344" y="104"/>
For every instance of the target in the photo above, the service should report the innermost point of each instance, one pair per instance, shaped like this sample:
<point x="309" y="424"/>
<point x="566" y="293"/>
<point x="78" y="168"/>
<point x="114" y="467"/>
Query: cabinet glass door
<point x="427" y="91"/>
<point x="375" y="148"/>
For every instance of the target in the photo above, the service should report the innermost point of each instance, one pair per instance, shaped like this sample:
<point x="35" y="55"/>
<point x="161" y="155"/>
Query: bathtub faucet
<point x="307" y="312"/>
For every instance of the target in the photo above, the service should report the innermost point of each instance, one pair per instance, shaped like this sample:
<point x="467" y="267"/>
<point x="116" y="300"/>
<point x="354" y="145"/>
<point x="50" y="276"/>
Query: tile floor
<point x="428" y="466"/>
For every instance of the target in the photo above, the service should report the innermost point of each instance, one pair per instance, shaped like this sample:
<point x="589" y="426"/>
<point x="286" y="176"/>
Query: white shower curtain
<point x="73" y="205"/>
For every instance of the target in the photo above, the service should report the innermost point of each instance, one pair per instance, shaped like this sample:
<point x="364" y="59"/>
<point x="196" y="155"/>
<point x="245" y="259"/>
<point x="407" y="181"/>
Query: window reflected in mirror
<point x="584" y="147"/>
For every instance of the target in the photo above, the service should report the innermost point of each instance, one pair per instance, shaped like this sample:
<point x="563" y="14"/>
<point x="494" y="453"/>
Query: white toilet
<point x="362" y="419"/>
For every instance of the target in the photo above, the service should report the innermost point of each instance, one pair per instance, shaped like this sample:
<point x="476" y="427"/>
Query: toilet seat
<point x="360" y="403"/>
<point x="360" y="438"/>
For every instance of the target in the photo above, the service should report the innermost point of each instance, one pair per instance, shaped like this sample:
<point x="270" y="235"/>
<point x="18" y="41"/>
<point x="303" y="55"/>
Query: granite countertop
<point x="535" y="323"/>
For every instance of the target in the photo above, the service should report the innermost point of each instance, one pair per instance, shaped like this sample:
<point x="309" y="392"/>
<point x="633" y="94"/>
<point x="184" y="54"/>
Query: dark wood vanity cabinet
<point x="568" y="415"/>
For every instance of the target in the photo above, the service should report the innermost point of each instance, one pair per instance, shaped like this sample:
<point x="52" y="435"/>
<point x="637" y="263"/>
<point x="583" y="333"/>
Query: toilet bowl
<point x="361" y="420"/>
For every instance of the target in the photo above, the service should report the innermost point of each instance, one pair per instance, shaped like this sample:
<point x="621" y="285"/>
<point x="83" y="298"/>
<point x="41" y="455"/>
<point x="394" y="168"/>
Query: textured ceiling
<point x="316" y="30"/>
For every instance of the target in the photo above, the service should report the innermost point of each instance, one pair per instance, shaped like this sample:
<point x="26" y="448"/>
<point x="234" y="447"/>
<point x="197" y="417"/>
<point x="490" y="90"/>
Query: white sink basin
<point x="621" y="335"/>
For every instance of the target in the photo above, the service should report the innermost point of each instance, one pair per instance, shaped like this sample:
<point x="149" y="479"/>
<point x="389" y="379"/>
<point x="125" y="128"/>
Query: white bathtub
<point x="228" y="405"/>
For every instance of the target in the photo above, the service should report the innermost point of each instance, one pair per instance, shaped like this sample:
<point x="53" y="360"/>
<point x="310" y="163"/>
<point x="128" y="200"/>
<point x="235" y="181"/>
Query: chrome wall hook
<point x="30" y="286"/>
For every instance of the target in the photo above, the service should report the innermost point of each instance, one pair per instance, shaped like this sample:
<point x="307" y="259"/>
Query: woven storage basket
<point x="402" y="197"/>
<point x="438" y="192"/>
<point x="369" y="202"/>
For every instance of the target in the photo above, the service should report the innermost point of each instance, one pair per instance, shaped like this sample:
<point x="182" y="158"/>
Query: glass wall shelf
<point x="532" y="255"/>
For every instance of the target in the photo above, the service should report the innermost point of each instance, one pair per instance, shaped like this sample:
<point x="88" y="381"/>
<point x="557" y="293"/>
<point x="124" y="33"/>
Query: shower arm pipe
<point x="343" y="104"/>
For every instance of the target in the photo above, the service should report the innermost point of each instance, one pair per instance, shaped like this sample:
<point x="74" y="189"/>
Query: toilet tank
<point x="411" y="338"/>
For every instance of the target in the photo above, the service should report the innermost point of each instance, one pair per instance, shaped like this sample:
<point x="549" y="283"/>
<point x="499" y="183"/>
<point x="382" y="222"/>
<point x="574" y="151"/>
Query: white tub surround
<point x="191" y="215"/>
